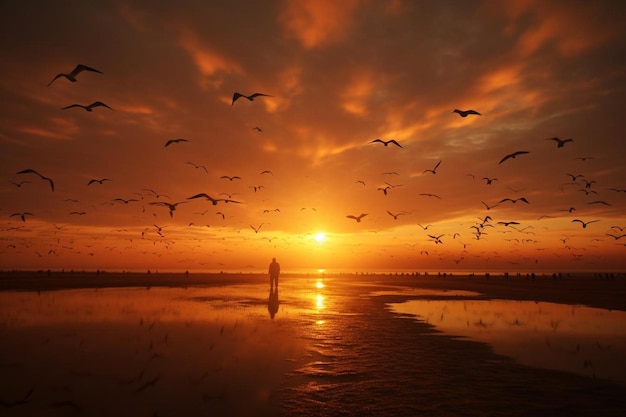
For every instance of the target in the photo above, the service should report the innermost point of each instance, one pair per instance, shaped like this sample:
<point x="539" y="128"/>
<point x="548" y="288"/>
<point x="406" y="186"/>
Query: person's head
<point x="273" y="259"/>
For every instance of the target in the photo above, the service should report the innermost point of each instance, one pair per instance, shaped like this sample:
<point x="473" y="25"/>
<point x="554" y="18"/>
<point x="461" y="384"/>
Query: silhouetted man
<point x="274" y="271"/>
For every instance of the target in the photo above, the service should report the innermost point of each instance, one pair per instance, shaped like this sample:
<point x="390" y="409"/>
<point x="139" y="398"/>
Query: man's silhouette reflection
<point x="272" y="302"/>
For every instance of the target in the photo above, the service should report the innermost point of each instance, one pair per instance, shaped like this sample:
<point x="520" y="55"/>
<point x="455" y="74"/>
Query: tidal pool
<point x="572" y="338"/>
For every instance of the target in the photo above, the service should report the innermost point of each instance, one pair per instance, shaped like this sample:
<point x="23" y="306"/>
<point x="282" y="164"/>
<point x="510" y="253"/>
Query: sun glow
<point x="320" y="237"/>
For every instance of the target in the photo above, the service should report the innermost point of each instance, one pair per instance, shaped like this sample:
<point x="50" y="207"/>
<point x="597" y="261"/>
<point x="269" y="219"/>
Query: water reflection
<point x="584" y="340"/>
<point x="272" y="302"/>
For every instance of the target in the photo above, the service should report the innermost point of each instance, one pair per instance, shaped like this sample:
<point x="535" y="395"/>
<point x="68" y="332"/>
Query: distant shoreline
<point x="604" y="290"/>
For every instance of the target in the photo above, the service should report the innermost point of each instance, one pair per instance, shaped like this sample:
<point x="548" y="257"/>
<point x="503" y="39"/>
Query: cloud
<point x="317" y="22"/>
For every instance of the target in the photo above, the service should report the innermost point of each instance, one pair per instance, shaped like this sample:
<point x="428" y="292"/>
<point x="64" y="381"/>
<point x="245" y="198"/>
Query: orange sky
<point x="340" y="74"/>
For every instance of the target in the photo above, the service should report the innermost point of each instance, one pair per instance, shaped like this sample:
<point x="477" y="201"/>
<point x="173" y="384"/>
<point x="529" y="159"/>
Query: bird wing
<point x="235" y="97"/>
<point x="395" y="143"/>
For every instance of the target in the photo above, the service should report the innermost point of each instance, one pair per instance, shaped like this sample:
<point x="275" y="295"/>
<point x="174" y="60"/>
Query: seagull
<point x="171" y="206"/>
<point x="19" y="184"/>
<point x="157" y="195"/>
<point x="514" y="200"/>
<point x="89" y="107"/>
<point x="256" y="229"/>
<point x="258" y="129"/>
<point x="488" y="206"/>
<point x="22" y="215"/>
<point x="395" y="216"/>
<point x="560" y="142"/>
<point x="226" y="177"/>
<point x="267" y="171"/>
<point x="512" y="155"/>
<point x="169" y="142"/>
<point x="507" y="223"/>
<point x="430" y="195"/>
<point x="32" y="171"/>
<point x="465" y="113"/>
<point x="490" y="180"/>
<point x="251" y="97"/>
<point x="599" y="202"/>
<point x="72" y="75"/>
<point x="393" y="141"/>
<point x="616" y="237"/>
<point x="121" y="200"/>
<point x="585" y="223"/>
<point x="384" y="189"/>
<point x="213" y="201"/>
<point x="197" y="166"/>
<point x="434" y="170"/>
<point x="98" y="181"/>
<point x="436" y="239"/>
<point x="357" y="218"/>
<point x="424" y="227"/>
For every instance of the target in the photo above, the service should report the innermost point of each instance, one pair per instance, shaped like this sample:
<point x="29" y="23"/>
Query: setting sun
<point x="320" y="237"/>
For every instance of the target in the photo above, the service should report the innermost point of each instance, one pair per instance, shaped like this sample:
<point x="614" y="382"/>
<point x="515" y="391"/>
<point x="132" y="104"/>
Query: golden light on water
<point x="319" y="301"/>
<point x="319" y="285"/>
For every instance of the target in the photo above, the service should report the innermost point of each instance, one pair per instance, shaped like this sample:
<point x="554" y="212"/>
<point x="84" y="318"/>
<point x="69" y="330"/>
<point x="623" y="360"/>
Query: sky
<point x="336" y="75"/>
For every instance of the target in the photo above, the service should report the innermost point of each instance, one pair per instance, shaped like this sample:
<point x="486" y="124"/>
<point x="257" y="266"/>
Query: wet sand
<point x="203" y="344"/>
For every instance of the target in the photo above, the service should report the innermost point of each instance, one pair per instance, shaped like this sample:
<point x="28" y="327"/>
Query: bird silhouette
<point x="19" y="184"/>
<point x="488" y="206"/>
<point x="32" y="171"/>
<point x="465" y="113"/>
<point x="514" y="200"/>
<point x="512" y="155"/>
<point x="490" y="180"/>
<point x="434" y="170"/>
<point x="179" y="140"/>
<point x="560" y="142"/>
<point x="22" y="215"/>
<point x="256" y="229"/>
<point x="251" y="97"/>
<point x="170" y="206"/>
<point x="395" y="216"/>
<point x="384" y="189"/>
<point x="357" y="218"/>
<point x="213" y="201"/>
<point x="226" y="177"/>
<point x="584" y="224"/>
<point x="197" y="166"/>
<point x="436" y="239"/>
<point x="72" y="75"/>
<point x="507" y="223"/>
<point x="386" y="143"/>
<point x="98" y="181"/>
<point x="89" y="107"/>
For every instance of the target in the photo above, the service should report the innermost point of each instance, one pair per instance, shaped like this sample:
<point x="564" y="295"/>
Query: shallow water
<point x="332" y="348"/>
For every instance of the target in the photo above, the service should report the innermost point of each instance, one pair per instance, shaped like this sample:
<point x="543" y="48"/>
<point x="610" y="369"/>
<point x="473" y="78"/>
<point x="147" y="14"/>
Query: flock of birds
<point x="478" y="230"/>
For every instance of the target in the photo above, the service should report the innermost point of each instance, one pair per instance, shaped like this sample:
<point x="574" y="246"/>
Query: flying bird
<point x="436" y="239"/>
<point x="19" y="184"/>
<point x="560" y="142"/>
<point x="213" y="201"/>
<point x="22" y="215"/>
<point x="98" y="181"/>
<point x="256" y="229"/>
<point x="72" y="75"/>
<point x="430" y="195"/>
<point x="198" y="166"/>
<point x="465" y="113"/>
<point x="169" y="142"/>
<point x="386" y="143"/>
<point x="171" y="206"/>
<point x="395" y="216"/>
<point x="251" y="97"/>
<point x="226" y="177"/>
<point x="490" y="180"/>
<point x="32" y="171"/>
<point x="514" y="200"/>
<point x="584" y="224"/>
<point x="507" y="223"/>
<point x="512" y="155"/>
<point x="89" y="107"/>
<point x="434" y="170"/>
<point x="357" y="218"/>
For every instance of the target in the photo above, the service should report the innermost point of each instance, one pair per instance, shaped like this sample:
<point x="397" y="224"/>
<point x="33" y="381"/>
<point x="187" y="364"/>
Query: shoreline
<point x="606" y="291"/>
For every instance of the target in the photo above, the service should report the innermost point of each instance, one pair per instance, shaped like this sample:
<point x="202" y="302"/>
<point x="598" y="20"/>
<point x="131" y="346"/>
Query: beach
<point x="191" y="344"/>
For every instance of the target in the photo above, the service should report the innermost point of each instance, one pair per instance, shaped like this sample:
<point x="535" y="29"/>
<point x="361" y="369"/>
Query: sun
<point x="320" y="237"/>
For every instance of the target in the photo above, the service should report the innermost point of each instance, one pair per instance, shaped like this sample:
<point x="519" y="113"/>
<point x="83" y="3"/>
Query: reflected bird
<point x="357" y="218"/>
<point x="512" y="155"/>
<point x="32" y="171"/>
<point x="72" y="75"/>
<point x="89" y="107"/>
<point x="465" y="113"/>
<point x="392" y="141"/>
<point x="560" y="142"/>
<point x="251" y="97"/>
